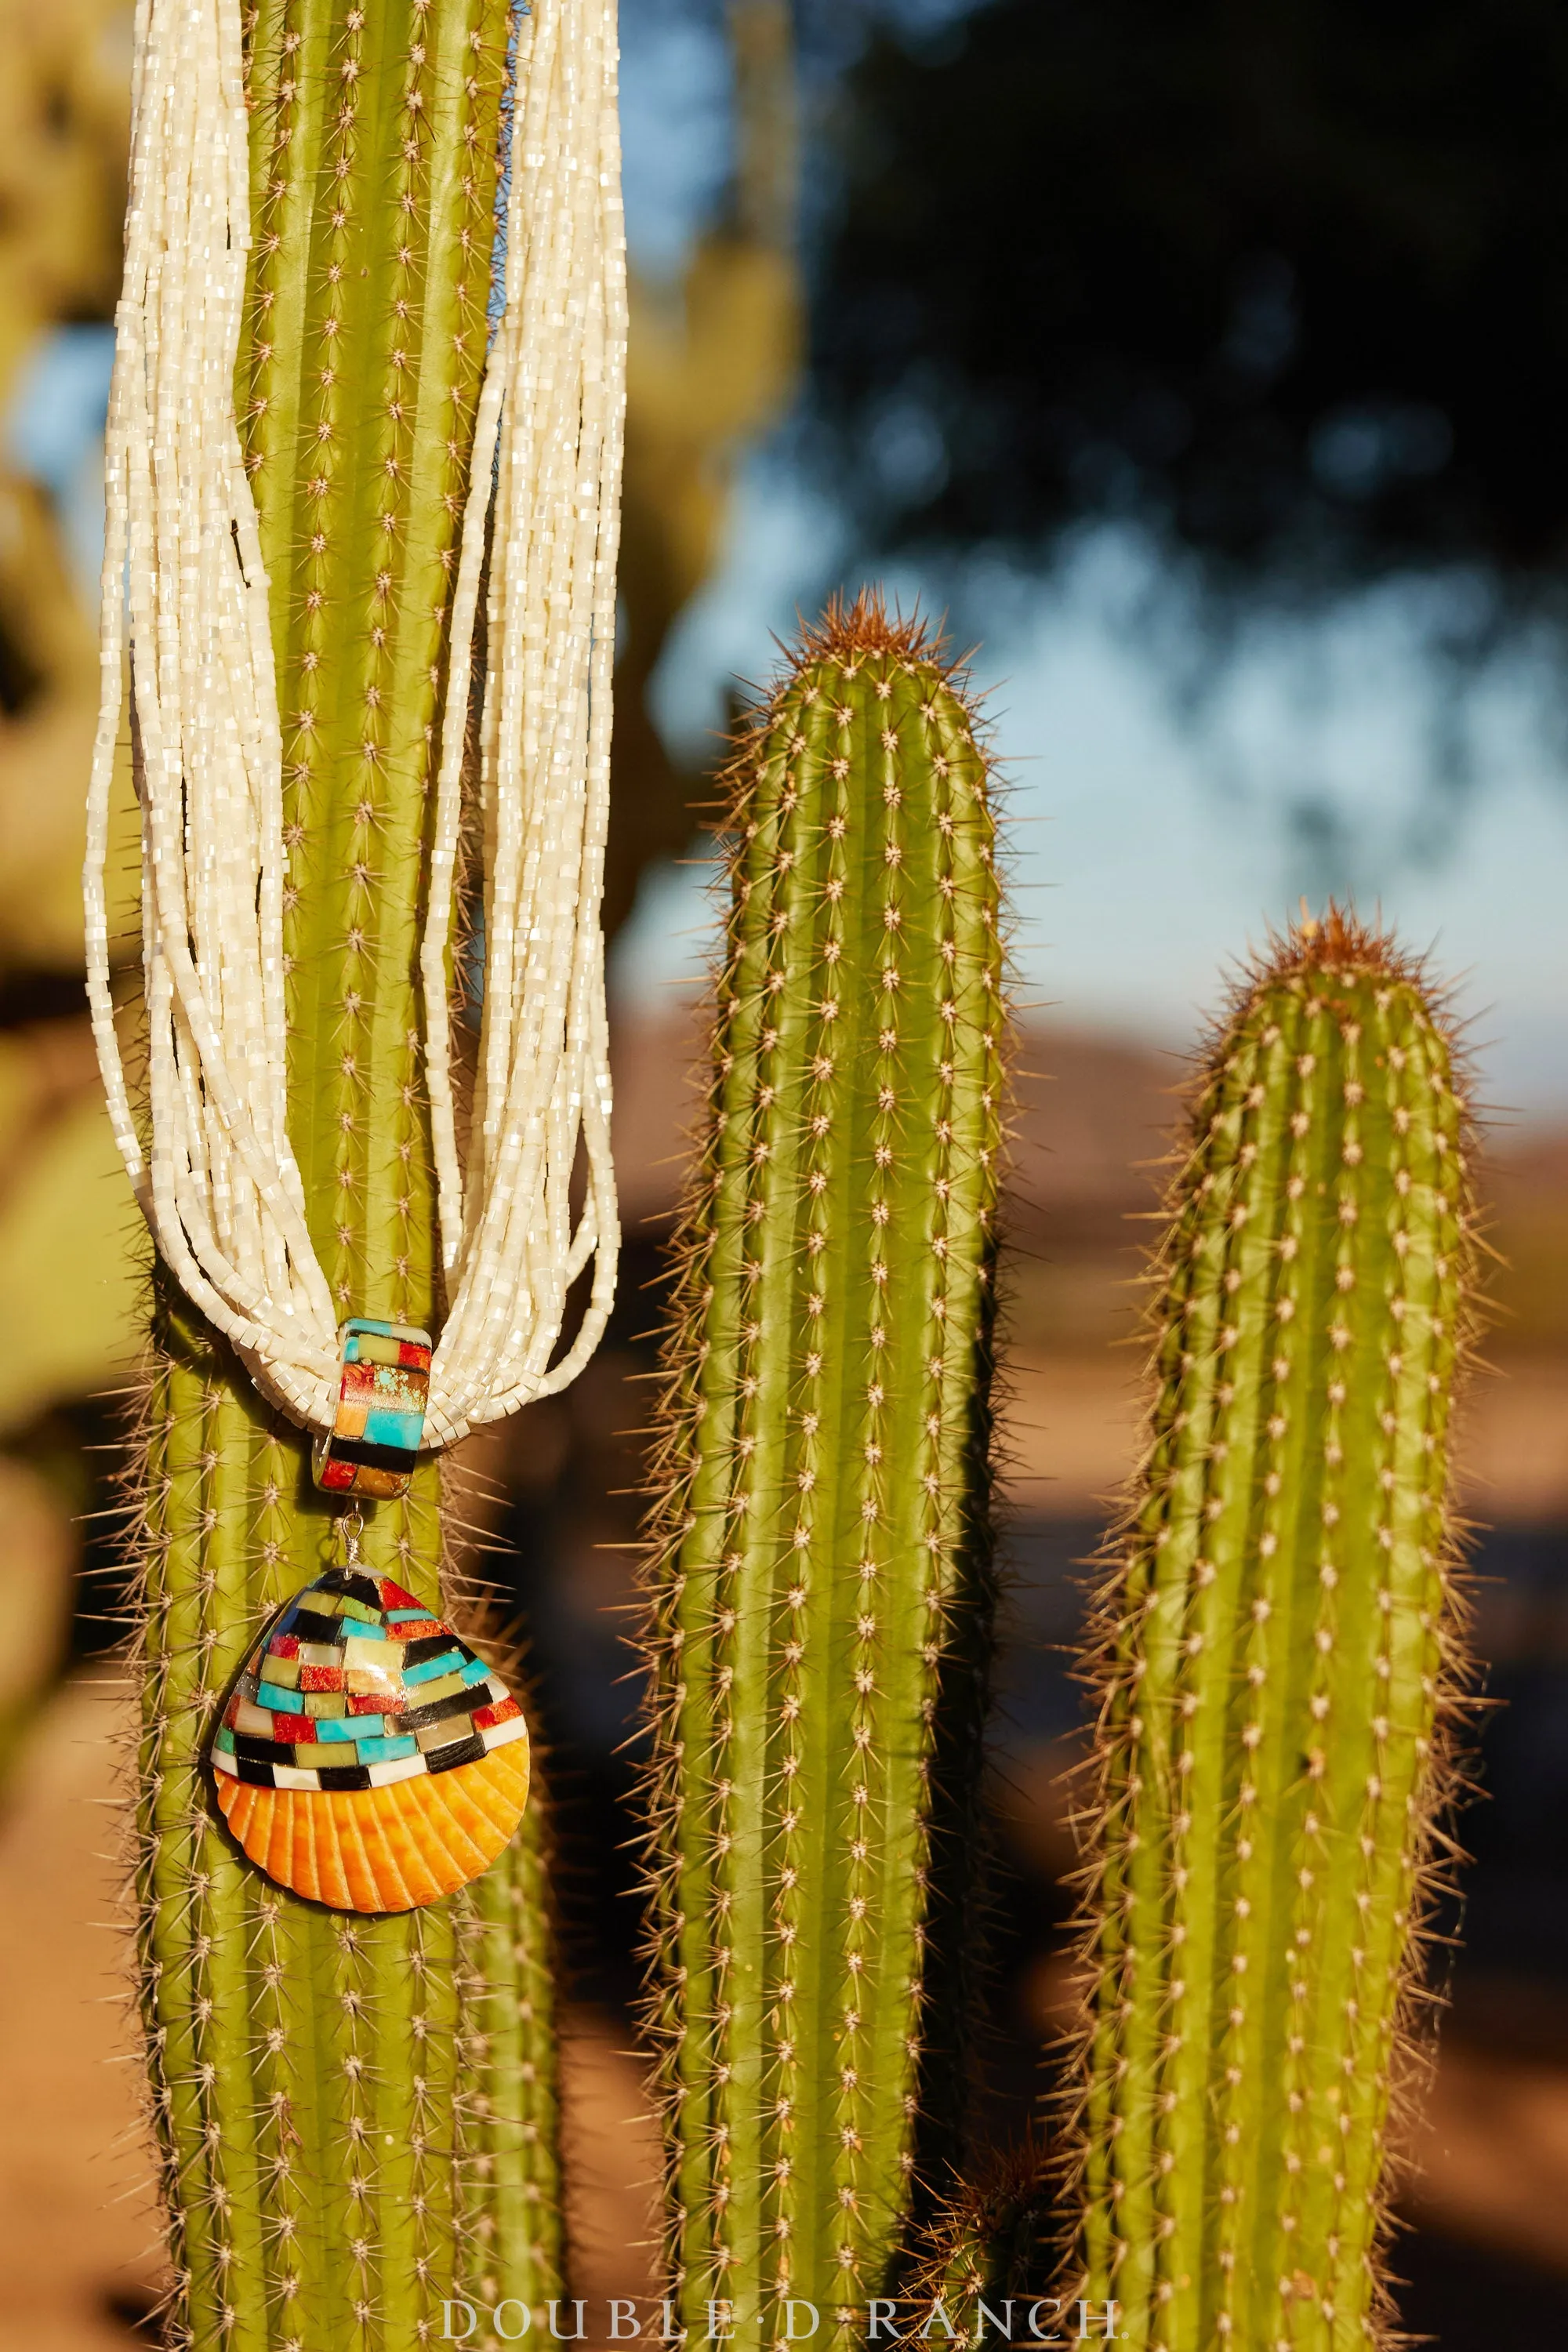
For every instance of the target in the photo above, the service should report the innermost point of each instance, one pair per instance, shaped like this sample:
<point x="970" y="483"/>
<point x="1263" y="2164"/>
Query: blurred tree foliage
<point x="1284" y="282"/>
<point x="65" y="96"/>
<point x="68" y="1281"/>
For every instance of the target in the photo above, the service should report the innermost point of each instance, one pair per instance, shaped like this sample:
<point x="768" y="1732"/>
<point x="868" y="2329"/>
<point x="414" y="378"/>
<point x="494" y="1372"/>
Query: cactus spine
<point x="820" y="1599"/>
<point x="355" y="2116"/>
<point x="1280" y="1645"/>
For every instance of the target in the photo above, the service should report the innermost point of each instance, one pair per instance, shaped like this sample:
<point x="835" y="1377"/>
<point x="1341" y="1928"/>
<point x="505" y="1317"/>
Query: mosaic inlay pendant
<point x="367" y="1758"/>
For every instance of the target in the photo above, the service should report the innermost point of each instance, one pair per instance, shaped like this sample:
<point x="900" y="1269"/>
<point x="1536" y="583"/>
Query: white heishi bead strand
<point x="549" y="429"/>
<point x="184" y="584"/>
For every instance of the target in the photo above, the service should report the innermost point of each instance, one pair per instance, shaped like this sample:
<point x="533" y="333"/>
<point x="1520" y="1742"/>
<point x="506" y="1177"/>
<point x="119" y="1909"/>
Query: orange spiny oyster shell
<point x="366" y="1758"/>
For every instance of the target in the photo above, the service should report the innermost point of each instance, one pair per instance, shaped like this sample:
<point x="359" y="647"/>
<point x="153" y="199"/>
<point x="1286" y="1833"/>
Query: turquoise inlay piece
<point x="386" y="1751"/>
<point x="427" y="1669"/>
<point x="387" y="1424"/>
<point x="224" y="1740"/>
<point x="410" y="1616"/>
<point x="363" y="1323"/>
<point x="281" y="1700"/>
<point x="360" y="1631"/>
<point x="349" y="1726"/>
<point x="476" y="1671"/>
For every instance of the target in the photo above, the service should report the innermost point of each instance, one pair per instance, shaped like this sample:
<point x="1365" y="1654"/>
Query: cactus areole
<point x="1282" y="1647"/>
<point x="820" y="1603"/>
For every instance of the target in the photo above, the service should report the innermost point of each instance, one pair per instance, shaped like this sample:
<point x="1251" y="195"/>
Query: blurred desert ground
<point x="1488" y="2202"/>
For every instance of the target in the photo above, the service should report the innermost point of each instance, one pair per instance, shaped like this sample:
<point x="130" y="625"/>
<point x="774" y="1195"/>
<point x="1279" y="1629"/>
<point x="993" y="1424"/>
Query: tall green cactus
<point x="819" y="1608"/>
<point x="357" y="2116"/>
<point x="1280" y="1649"/>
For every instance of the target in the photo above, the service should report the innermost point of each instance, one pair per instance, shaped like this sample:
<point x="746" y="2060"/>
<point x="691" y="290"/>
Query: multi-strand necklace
<point x="183" y="582"/>
<point x="365" y="1756"/>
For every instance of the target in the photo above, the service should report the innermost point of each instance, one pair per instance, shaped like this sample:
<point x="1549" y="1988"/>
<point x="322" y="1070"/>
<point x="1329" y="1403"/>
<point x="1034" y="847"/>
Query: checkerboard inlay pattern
<point x="357" y="1685"/>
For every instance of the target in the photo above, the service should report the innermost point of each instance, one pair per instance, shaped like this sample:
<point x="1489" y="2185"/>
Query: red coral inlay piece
<point x="485" y="1717"/>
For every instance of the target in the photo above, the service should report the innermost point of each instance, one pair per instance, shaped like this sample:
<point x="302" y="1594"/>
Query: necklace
<point x="185" y="588"/>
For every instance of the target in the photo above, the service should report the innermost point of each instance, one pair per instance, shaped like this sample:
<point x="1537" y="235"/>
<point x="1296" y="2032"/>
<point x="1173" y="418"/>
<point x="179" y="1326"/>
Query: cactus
<point x="819" y="1598"/>
<point x="1281" y="1653"/>
<point x="985" y="2246"/>
<point x="356" y="2116"/>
